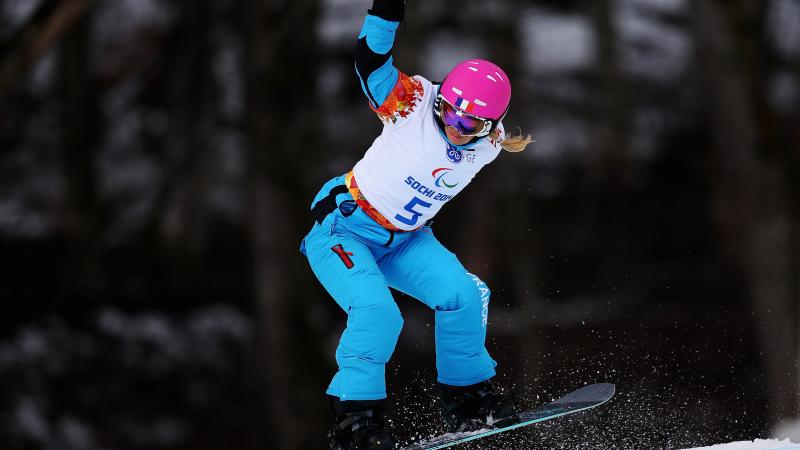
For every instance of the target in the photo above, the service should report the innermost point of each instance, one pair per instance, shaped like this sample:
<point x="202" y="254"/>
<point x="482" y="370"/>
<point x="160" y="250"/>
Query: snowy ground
<point x="758" y="444"/>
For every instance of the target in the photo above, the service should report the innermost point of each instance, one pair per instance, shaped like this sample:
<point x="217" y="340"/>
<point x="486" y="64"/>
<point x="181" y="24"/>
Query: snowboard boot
<point x="470" y="408"/>
<point x="359" y="425"/>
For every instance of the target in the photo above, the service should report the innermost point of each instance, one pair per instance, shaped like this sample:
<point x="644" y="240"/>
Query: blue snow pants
<point x="357" y="260"/>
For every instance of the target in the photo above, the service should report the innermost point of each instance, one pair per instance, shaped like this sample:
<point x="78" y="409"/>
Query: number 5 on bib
<point x="416" y="201"/>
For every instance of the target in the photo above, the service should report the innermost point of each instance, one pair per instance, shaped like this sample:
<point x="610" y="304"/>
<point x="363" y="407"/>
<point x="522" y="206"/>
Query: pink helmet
<point x="478" y="87"/>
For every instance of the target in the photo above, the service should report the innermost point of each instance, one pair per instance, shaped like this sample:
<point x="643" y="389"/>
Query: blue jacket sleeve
<point x="374" y="64"/>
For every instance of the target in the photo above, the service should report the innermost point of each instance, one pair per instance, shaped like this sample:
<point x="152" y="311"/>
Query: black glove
<point x="391" y="10"/>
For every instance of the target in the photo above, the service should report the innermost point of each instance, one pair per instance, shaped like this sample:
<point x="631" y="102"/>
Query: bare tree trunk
<point x="189" y="142"/>
<point x="772" y="234"/>
<point x="613" y="112"/>
<point x="793" y="231"/>
<point x="733" y="133"/>
<point x="79" y="117"/>
<point x="749" y="196"/>
<point x="280" y="77"/>
<point x="793" y="139"/>
<point x="790" y="135"/>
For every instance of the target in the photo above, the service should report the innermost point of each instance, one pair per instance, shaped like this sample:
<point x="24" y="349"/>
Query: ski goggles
<point x="466" y="124"/>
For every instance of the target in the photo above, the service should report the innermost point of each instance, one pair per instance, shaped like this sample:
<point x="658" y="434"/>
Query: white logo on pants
<point x="484" y="299"/>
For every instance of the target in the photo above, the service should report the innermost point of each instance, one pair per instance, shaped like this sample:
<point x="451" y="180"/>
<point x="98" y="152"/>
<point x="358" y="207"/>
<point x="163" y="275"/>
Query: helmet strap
<point x="495" y="123"/>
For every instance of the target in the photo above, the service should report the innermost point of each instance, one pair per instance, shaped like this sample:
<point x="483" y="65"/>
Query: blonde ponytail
<point x="513" y="143"/>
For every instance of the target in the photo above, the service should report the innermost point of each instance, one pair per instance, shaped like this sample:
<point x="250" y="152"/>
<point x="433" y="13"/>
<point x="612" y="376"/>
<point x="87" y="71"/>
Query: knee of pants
<point x="463" y="292"/>
<point x="377" y="327"/>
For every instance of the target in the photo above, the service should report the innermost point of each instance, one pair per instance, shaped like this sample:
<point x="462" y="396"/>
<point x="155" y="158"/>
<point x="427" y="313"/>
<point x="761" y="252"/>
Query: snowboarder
<point x="372" y="232"/>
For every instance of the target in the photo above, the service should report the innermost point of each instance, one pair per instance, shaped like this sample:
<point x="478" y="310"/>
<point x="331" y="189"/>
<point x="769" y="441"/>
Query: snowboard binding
<point x="475" y="407"/>
<point x="359" y="425"/>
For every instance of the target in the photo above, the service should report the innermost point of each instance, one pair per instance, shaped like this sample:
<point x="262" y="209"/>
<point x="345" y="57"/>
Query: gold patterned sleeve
<point x="402" y="100"/>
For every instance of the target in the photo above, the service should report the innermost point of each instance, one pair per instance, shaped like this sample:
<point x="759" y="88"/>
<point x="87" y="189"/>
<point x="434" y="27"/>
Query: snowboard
<point x="581" y="399"/>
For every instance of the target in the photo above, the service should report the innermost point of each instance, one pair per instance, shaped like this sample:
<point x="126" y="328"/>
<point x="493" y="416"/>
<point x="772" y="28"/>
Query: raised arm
<point x="374" y="63"/>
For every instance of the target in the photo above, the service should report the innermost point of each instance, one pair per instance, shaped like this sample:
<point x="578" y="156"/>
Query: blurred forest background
<point x="158" y="159"/>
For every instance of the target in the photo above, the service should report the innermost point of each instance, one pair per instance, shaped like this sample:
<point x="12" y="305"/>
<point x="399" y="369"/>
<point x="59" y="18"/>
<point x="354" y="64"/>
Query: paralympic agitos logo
<point x="439" y="175"/>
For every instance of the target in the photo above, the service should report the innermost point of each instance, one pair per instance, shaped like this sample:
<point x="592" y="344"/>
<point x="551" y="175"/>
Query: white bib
<point x="411" y="171"/>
